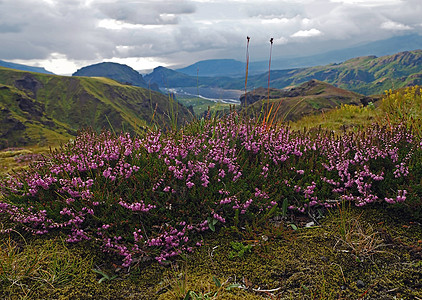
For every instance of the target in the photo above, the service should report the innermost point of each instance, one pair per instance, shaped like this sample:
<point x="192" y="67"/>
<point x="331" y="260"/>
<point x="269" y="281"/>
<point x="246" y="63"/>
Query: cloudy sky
<point x="64" y="35"/>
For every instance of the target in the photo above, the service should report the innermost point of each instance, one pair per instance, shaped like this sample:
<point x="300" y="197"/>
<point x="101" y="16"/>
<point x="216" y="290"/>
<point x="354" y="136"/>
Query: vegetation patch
<point x="229" y="208"/>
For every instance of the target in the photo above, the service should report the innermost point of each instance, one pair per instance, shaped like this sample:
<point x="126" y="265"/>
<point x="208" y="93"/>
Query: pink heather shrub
<point x="155" y="196"/>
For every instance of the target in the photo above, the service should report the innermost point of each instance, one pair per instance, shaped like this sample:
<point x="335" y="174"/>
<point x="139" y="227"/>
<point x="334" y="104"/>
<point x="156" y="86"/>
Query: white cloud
<point x="391" y="25"/>
<point x="275" y="21"/>
<point x="369" y="3"/>
<point x="181" y="32"/>
<point x="307" y="33"/>
<point x="119" y="25"/>
<point x="145" y="12"/>
<point x="281" y="41"/>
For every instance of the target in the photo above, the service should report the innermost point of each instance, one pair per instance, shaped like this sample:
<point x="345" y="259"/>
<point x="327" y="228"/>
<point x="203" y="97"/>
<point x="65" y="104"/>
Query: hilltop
<point x="46" y="109"/>
<point x="119" y="72"/>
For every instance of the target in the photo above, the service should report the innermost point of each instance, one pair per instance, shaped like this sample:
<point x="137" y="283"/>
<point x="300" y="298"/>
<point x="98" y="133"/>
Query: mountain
<point x="10" y="65"/>
<point x="215" y="67"/>
<point x="119" y="72"/>
<point x="234" y="68"/>
<point x="46" y="109"/>
<point x="310" y="97"/>
<point x="165" y="77"/>
<point x="168" y="78"/>
<point x="365" y="75"/>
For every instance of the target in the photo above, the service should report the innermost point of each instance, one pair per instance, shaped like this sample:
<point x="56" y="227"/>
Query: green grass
<point x="402" y="105"/>
<point x="26" y="268"/>
<point x="347" y="117"/>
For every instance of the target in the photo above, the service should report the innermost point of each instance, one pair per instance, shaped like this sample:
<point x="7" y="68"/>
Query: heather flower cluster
<point x="156" y="196"/>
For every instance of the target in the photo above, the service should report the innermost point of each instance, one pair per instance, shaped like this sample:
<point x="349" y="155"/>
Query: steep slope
<point x="63" y="105"/>
<point x="121" y="73"/>
<point x="309" y="98"/>
<point x="24" y="121"/>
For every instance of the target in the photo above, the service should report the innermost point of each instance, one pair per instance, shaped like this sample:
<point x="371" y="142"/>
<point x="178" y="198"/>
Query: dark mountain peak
<point x="215" y="67"/>
<point x="119" y="72"/>
<point x="166" y="77"/>
<point x="105" y="66"/>
<point x="162" y="69"/>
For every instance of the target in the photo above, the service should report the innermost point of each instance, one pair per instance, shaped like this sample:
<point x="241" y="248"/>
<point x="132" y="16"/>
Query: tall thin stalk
<point x="246" y="73"/>
<point x="269" y="75"/>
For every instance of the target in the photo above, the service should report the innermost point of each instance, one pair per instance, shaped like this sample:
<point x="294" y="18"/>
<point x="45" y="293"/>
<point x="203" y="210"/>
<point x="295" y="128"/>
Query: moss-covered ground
<point x="351" y="253"/>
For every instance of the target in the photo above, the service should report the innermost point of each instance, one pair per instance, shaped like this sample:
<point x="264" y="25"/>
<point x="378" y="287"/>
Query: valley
<point x="39" y="109"/>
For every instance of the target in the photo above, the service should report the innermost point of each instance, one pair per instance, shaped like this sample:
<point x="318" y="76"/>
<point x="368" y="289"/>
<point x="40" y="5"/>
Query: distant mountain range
<point x="234" y="68"/>
<point x="10" y="65"/>
<point x="47" y="109"/>
<point x="365" y="75"/>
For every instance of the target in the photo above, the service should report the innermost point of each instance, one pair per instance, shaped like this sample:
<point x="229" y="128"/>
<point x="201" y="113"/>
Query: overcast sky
<point x="65" y="35"/>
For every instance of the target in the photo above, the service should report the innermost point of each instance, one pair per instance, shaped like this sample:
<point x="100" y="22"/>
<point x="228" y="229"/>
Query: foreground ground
<point x="351" y="253"/>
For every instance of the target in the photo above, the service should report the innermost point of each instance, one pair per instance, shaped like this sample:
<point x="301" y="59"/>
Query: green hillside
<point x="43" y="109"/>
<point x="309" y="98"/>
